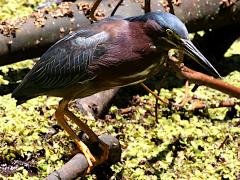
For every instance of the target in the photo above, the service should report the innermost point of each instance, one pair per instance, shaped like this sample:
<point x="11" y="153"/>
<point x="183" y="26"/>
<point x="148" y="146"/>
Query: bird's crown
<point x="166" y="21"/>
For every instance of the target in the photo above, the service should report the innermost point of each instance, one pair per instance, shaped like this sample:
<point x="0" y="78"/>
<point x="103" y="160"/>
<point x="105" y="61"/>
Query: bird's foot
<point x="87" y="153"/>
<point x="94" y="160"/>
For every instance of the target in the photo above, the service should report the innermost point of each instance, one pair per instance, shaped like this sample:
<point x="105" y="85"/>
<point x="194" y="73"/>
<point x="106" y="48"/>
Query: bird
<point x="113" y="52"/>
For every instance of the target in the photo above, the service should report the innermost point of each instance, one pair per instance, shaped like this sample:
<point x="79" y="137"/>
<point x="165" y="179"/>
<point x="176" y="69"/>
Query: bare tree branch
<point x="29" y="38"/>
<point x="203" y="79"/>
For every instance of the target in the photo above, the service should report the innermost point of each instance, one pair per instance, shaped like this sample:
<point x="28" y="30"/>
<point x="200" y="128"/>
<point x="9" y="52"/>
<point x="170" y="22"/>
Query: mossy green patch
<point x="17" y="8"/>
<point x="234" y="49"/>
<point x="183" y="144"/>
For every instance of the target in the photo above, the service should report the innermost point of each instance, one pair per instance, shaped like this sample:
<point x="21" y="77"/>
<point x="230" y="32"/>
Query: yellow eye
<point x="169" y="32"/>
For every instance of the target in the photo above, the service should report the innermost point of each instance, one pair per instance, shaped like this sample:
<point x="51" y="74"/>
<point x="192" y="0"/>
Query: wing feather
<point x="65" y="63"/>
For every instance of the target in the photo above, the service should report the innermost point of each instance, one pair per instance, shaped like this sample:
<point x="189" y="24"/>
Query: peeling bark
<point x="97" y="105"/>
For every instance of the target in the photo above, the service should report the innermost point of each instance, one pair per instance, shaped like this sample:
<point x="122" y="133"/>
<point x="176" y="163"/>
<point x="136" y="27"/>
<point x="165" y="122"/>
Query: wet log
<point x="98" y="104"/>
<point x="204" y="15"/>
<point x="31" y="37"/>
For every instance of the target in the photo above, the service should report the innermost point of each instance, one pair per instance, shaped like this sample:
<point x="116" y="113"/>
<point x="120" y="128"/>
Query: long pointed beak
<point x="196" y="55"/>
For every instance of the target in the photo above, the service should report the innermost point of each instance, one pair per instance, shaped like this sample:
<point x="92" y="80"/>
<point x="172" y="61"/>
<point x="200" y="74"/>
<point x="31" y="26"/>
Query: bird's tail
<point x="20" y="99"/>
<point x="20" y="96"/>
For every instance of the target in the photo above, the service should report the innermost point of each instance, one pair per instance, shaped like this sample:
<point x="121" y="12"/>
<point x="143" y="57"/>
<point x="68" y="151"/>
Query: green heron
<point x="113" y="52"/>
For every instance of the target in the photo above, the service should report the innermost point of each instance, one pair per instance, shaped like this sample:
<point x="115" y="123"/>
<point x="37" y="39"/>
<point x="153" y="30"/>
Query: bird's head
<point x="172" y="31"/>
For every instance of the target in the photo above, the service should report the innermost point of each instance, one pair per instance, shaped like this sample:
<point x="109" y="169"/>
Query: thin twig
<point x="222" y="144"/>
<point x="147" y="7"/>
<point x="93" y="9"/>
<point x="116" y="7"/>
<point x="156" y="102"/>
<point x="154" y="94"/>
<point x="195" y="87"/>
<point x="156" y="107"/>
<point x="171" y="7"/>
<point x="202" y="105"/>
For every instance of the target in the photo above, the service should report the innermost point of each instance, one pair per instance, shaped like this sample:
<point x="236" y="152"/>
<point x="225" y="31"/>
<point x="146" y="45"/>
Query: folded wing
<point x="64" y="64"/>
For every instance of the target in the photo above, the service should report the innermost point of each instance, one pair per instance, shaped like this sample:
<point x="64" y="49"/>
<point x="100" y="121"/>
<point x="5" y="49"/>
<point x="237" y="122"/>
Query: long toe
<point x="92" y="161"/>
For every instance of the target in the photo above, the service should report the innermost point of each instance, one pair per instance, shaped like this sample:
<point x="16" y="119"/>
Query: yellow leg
<point x="92" y="136"/>
<point x="83" y="148"/>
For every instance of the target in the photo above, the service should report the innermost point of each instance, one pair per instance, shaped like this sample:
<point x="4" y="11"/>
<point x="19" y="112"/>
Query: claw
<point x="90" y="158"/>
